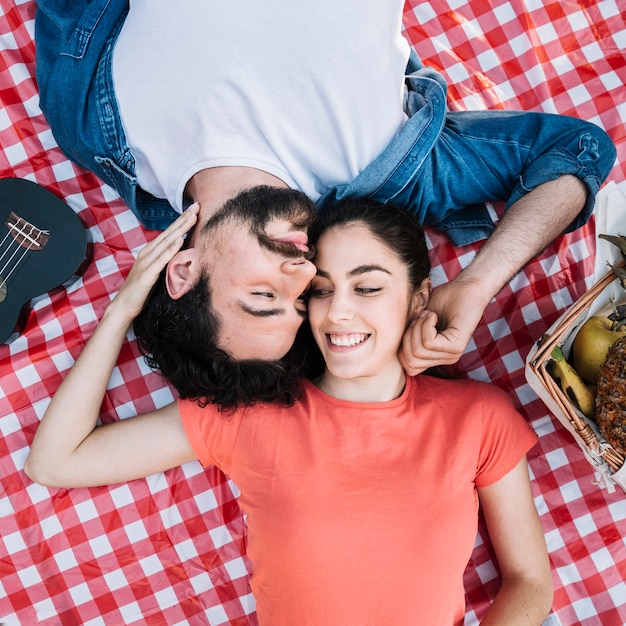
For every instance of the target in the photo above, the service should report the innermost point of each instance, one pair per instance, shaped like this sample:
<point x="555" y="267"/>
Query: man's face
<point x="255" y="258"/>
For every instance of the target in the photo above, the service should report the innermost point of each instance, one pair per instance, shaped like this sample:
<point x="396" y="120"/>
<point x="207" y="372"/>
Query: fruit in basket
<point x="611" y="396"/>
<point x="570" y="383"/>
<point x="591" y="344"/>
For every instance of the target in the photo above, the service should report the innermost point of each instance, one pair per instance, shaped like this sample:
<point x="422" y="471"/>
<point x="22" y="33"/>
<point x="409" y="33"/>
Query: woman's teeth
<point x="347" y="340"/>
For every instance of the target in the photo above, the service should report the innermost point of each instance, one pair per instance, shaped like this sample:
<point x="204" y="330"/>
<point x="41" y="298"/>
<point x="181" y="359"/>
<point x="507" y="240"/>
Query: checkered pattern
<point x="171" y="549"/>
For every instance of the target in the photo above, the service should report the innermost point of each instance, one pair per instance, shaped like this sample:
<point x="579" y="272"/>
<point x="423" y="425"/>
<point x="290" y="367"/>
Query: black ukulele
<point x="42" y="244"/>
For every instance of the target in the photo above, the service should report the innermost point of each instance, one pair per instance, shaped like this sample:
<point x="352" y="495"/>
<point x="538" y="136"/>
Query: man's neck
<point x="213" y="186"/>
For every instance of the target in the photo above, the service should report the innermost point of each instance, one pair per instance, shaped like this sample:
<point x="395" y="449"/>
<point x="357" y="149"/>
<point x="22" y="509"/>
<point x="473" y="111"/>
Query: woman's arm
<point x="525" y="595"/>
<point x="69" y="449"/>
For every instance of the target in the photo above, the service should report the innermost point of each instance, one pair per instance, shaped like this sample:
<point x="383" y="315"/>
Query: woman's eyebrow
<point x="361" y="269"/>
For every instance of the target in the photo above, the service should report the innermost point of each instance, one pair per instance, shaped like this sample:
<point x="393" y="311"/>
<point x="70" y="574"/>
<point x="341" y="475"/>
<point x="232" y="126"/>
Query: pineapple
<point x="611" y="390"/>
<point x="611" y="396"/>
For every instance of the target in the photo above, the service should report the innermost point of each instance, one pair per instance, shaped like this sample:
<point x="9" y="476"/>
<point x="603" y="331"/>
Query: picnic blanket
<point x="170" y="549"/>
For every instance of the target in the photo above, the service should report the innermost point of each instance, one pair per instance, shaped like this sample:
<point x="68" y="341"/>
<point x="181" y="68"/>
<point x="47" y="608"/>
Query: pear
<point x="591" y="344"/>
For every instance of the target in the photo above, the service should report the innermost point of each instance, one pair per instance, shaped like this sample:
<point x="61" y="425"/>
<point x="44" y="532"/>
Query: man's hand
<point x="440" y="334"/>
<point x="527" y="227"/>
<point x="151" y="261"/>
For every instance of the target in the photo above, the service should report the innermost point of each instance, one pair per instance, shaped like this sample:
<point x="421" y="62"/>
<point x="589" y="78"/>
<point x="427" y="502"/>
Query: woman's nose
<point x="339" y="308"/>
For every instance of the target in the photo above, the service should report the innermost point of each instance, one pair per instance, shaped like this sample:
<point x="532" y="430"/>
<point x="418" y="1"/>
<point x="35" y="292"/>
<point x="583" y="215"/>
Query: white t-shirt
<point x="310" y="92"/>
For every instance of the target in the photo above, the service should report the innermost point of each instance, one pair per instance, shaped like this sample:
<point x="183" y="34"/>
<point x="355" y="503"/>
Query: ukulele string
<point x="13" y="247"/>
<point x="17" y="263"/>
<point x="8" y="234"/>
<point x="5" y="251"/>
<point x="30" y="237"/>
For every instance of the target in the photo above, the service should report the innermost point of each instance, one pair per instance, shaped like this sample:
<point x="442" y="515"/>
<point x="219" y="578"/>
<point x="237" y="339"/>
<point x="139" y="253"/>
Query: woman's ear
<point x="181" y="274"/>
<point x="421" y="296"/>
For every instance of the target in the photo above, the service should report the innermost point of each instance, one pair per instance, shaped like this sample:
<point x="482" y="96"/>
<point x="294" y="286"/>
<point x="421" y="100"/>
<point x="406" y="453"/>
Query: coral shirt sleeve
<point x="211" y="433"/>
<point x="506" y="436"/>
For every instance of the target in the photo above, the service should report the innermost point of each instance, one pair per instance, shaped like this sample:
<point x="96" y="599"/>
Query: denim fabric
<point x="74" y="51"/>
<point x="482" y="156"/>
<point x="443" y="166"/>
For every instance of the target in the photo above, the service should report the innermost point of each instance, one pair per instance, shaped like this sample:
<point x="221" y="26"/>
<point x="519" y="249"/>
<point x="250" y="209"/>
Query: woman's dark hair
<point x="391" y="225"/>
<point x="179" y="338"/>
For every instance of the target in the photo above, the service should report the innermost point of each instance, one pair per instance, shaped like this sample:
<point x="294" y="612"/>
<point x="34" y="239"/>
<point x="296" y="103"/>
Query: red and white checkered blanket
<point x="170" y="549"/>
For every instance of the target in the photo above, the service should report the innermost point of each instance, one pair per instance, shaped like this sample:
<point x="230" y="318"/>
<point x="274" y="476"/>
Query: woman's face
<point x="360" y="302"/>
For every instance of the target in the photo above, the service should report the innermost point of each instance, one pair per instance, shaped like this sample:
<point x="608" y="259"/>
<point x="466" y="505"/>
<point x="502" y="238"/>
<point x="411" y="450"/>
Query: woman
<point x="362" y="497"/>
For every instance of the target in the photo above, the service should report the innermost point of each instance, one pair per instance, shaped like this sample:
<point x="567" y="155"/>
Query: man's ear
<point x="421" y="297"/>
<point x="181" y="273"/>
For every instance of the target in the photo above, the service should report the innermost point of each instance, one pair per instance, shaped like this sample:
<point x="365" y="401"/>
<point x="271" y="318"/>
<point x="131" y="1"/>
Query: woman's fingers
<point x="163" y="247"/>
<point x="150" y="262"/>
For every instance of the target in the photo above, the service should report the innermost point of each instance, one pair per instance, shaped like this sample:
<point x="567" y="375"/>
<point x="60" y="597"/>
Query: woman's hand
<point x="150" y="262"/>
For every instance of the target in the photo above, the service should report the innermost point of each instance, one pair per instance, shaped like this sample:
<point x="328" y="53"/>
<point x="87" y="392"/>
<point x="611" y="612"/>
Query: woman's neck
<point x="381" y="387"/>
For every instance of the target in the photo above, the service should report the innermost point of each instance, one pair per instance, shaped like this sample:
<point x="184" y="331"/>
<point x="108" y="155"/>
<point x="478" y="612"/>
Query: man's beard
<point x="256" y="207"/>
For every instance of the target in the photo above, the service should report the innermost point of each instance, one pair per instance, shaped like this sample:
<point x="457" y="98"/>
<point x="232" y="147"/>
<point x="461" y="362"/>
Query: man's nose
<point x="299" y="266"/>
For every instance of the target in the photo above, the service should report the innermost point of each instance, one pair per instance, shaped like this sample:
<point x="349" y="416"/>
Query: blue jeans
<point x="443" y="166"/>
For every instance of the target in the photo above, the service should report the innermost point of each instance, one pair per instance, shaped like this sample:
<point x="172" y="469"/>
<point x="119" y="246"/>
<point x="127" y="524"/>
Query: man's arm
<point x="69" y="449"/>
<point x="440" y="335"/>
<point x="526" y="591"/>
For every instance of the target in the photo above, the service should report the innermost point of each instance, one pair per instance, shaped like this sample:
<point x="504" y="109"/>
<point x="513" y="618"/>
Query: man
<point x="174" y="103"/>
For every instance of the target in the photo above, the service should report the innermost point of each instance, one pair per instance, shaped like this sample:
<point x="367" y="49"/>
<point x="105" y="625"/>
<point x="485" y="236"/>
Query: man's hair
<point x="179" y="338"/>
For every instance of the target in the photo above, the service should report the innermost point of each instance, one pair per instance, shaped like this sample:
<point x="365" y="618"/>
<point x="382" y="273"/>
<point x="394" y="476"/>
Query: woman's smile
<point x="346" y="340"/>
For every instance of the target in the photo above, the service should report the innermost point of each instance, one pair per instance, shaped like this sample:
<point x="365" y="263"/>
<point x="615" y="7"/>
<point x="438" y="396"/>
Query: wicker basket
<point x="608" y="462"/>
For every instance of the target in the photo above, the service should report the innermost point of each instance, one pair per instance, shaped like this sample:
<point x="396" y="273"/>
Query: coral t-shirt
<point x="363" y="513"/>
